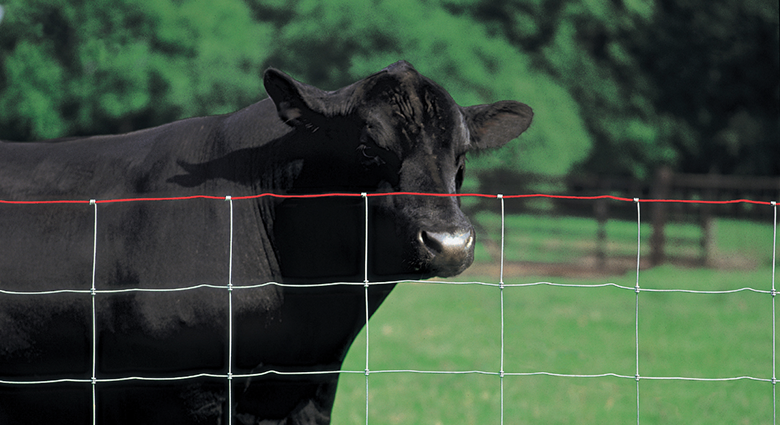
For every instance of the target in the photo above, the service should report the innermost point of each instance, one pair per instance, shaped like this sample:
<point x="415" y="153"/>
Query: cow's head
<point x="398" y="131"/>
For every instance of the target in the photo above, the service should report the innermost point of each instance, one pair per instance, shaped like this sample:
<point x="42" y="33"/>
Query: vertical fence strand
<point x="636" y="306"/>
<point x="774" y="324"/>
<point x="501" y="292"/>
<point x="93" y="293"/>
<point x="365" y="284"/>
<point x="230" y="315"/>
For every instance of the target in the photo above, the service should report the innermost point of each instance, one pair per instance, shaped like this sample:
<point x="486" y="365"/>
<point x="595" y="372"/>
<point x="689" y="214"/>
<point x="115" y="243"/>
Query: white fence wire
<point x="230" y="288"/>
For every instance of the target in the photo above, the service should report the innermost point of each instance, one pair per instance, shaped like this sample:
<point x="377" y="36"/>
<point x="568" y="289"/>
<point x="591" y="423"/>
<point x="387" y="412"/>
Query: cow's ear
<point x="295" y="102"/>
<point x="492" y="126"/>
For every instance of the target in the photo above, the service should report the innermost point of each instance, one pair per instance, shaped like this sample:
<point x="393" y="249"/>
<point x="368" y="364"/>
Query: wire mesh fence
<point x="230" y="290"/>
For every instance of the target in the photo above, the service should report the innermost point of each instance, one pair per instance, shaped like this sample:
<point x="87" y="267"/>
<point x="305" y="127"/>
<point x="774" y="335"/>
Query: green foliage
<point x="692" y="84"/>
<point x="716" y="66"/>
<point x="33" y="93"/>
<point x="107" y="66"/>
<point x="617" y="87"/>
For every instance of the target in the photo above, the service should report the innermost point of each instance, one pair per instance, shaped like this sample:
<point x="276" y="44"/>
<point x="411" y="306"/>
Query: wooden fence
<point x="665" y="185"/>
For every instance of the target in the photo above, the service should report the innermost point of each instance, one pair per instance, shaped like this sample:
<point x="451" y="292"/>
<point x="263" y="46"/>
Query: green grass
<point x="552" y="239"/>
<point x="570" y="330"/>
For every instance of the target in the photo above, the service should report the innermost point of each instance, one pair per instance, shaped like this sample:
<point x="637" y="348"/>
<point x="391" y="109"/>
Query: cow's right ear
<point x="296" y="103"/>
<point x="492" y="126"/>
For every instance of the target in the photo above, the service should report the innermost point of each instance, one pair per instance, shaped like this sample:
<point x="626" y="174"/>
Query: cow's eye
<point x="369" y="156"/>
<point x="460" y="174"/>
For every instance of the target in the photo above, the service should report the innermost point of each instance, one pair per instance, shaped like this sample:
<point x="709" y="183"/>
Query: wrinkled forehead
<point x="406" y="112"/>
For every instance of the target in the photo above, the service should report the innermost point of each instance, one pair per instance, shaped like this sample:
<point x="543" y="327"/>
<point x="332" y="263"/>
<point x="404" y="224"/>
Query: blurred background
<point x="638" y="98"/>
<point x="618" y="87"/>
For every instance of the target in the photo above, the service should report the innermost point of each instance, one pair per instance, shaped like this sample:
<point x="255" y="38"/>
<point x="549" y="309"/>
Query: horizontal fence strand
<point x="390" y="282"/>
<point x="378" y="371"/>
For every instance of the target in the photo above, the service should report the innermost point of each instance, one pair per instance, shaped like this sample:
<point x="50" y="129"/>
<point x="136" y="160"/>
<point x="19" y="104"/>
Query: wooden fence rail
<point x="665" y="185"/>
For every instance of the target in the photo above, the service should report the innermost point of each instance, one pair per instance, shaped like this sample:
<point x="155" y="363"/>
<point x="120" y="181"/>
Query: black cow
<point x="395" y="131"/>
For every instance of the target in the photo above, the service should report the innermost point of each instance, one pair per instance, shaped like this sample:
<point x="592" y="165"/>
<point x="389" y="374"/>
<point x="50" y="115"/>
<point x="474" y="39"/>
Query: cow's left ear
<point x="492" y="126"/>
<point x="297" y="103"/>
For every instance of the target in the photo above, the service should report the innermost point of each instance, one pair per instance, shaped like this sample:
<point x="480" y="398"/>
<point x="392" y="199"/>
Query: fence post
<point x="705" y="222"/>
<point x="706" y="236"/>
<point x="602" y="212"/>
<point x="660" y="190"/>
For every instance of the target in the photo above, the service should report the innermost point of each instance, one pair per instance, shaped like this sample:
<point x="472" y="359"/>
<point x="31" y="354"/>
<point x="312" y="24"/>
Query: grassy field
<point x="568" y="330"/>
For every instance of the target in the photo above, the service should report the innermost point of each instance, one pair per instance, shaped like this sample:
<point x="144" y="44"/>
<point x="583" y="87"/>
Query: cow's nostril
<point x="454" y="245"/>
<point x="431" y="243"/>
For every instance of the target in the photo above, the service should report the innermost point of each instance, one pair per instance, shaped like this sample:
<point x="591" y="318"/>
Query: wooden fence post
<point x="660" y="190"/>
<point x="602" y="213"/>
<point x="705" y="222"/>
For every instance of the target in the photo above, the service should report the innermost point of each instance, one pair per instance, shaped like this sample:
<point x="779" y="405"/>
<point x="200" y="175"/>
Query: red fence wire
<point x="324" y="195"/>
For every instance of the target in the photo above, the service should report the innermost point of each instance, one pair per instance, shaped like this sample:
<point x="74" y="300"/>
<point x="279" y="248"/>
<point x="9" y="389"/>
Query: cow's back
<point x="102" y="167"/>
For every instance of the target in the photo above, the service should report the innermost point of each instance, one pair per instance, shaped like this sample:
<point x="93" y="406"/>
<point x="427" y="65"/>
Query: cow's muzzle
<point x="450" y="253"/>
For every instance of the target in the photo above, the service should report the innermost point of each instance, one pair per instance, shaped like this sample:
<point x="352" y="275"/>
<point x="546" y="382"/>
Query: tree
<point x="104" y="66"/>
<point x="692" y="83"/>
<point x="618" y="87"/>
<point x="99" y="67"/>
<point x="717" y="69"/>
